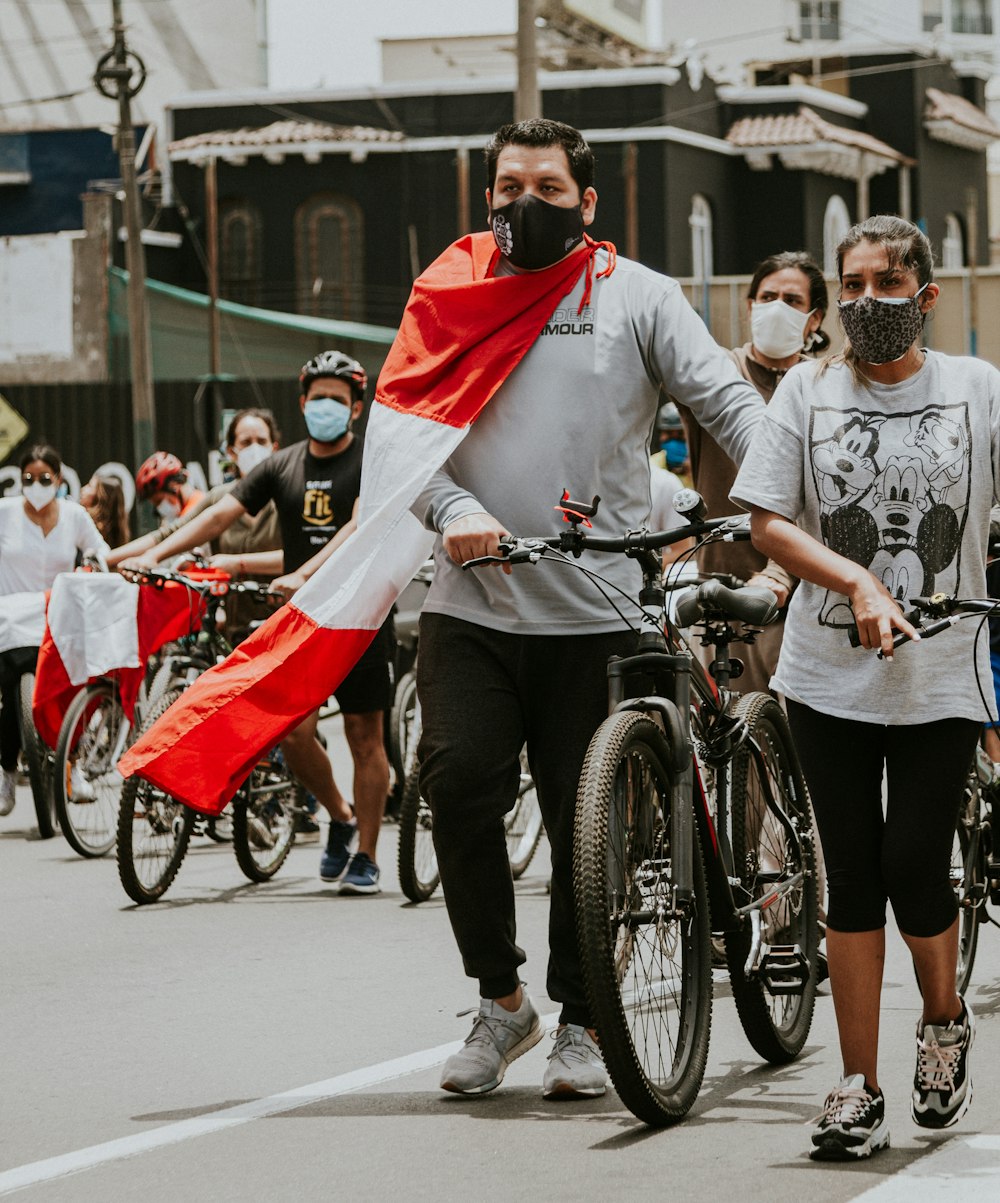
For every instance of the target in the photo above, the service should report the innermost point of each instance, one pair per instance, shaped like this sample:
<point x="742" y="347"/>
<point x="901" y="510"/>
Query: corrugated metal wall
<point x="91" y="424"/>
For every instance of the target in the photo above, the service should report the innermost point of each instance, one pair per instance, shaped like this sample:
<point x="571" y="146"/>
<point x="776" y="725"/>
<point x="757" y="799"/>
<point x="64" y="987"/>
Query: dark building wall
<point x="62" y="163"/>
<point x="897" y="102"/>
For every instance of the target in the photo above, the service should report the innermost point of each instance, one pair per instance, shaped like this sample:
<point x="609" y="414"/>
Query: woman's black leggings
<point x="13" y="665"/>
<point x="903" y="856"/>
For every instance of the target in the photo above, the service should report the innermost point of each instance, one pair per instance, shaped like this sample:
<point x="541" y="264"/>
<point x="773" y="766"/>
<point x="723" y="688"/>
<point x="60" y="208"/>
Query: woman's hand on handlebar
<point x="877" y="615"/>
<point x="138" y="563"/>
<point x="780" y="591"/>
<point x="474" y="536"/>
<point x="288" y="584"/>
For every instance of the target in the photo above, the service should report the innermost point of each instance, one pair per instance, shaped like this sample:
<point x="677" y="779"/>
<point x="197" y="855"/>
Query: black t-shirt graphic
<point x="314" y="497"/>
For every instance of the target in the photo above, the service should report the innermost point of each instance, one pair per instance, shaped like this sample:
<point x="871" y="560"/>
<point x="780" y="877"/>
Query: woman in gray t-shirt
<point x="871" y="478"/>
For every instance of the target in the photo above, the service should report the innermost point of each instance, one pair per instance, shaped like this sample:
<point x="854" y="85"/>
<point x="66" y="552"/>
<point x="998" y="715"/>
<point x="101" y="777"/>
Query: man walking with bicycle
<point x="508" y="659"/>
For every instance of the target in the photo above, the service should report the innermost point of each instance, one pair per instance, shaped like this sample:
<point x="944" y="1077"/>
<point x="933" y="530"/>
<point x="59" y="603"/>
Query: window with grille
<point x="819" y="20"/>
<point x="329" y="232"/>
<point x="239" y="252"/>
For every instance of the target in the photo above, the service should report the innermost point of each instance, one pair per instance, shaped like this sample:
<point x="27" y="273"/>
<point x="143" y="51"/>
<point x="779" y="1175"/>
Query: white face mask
<point x="777" y="330"/>
<point x="38" y="496"/>
<point x="251" y="456"/>
<point x="168" y="509"/>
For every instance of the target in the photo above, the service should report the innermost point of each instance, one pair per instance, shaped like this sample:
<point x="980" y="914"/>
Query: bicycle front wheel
<point x="523" y="824"/>
<point x="39" y="762"/>
<point x="153" y="828"/>
<point x="264" y="812"/>
<point x="968" y="880"/>
<point x="766" y="853"/>
<point x="646" y="961"/>
<point x="88" y="785"/>
<point x="418" y="867"/>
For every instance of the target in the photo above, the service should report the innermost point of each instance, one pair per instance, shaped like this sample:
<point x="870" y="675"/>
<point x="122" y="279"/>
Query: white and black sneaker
<point x="942" y="1085"/>
<point x="852" y="1124"/>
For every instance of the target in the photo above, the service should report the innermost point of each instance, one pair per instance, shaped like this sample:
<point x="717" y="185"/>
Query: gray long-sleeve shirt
<point x="577" y="413"/>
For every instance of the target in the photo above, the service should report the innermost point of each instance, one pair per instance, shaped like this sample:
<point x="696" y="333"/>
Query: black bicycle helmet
<point x="336" y="363"/>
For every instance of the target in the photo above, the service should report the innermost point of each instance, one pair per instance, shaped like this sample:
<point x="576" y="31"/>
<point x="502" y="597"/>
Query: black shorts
<point x="368" y="686"/>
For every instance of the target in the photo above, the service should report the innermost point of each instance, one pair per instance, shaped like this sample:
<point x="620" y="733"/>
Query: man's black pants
<point x="483" y="695"/>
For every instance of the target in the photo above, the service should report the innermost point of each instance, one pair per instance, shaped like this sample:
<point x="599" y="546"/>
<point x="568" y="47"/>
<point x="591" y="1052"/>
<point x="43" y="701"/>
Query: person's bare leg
<point x="856" y="961"/>
<point x="991" y="742"/>
<point x="307" y="759"/>
<point x="935" y="959"/>
<point x="371" y="775"/>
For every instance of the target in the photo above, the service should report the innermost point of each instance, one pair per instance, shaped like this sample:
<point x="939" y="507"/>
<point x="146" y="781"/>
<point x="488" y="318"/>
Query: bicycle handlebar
<point x="158" y="577"/>
<point x="515" y="550"/>
<point x="945" y="610"/>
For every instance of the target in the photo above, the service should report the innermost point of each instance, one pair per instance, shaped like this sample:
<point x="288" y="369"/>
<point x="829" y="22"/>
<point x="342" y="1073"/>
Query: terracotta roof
<point x="946" y="106"/>
<point x="802" y="129"/>
<point x="285" y="133"/>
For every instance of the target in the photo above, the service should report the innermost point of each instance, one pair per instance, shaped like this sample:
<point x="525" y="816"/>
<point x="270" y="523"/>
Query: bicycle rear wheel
<point x="523" y="824"/>
<point x="87" y="783"/>
<point x="264" y="813"/>
<point x="38" y="760"/>
<point x="765" y="854"/>
<point x="153" y="828"/>
<point x="968" y="880"/>
<point x="418" y="867"/>
<point x="647" y="963"/>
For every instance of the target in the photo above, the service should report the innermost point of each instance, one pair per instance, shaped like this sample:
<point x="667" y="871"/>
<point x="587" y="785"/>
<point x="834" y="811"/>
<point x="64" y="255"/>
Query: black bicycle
<point x="154" y="828"/>
<point x="975" y="863"/>
<point x="692" y="818"/>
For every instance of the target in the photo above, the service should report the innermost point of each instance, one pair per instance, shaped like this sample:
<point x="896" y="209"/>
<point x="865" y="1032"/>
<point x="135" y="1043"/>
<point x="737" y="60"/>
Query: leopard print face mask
<point x="882" y="329"/>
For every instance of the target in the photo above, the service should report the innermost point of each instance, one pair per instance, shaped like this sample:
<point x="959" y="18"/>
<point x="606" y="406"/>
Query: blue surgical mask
<point x="327" y="419"/>
<point x="676" y="452"/>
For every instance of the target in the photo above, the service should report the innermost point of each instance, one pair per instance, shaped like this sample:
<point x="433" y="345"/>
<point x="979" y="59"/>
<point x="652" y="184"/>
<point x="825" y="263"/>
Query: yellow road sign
<point x="13" y="427"/>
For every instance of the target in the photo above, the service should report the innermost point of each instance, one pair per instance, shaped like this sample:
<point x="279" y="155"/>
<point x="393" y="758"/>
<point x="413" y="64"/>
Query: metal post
<point x="462" y="187"/>
<point x="527" y="101"/>
<point x="120" y="74"/>
<point x="630" y="156"/>
<point x="212" y="258"/>
<point x="972" y="253"/>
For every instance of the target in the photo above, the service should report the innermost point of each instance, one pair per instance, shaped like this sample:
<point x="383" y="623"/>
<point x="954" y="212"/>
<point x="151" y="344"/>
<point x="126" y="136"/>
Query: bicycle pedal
<point x="783" y="969"/>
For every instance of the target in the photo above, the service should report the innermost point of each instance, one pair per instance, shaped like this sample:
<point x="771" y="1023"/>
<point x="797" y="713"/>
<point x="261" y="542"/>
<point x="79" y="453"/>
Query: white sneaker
<point x="8" y="778"/>
<point x="80" y="789"/>
<point x="576" y="1067"/>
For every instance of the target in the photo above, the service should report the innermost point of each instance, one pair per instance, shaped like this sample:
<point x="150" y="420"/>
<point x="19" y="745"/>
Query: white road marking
<point x="963" y="1168"/>
<point x="232" y="1117"/>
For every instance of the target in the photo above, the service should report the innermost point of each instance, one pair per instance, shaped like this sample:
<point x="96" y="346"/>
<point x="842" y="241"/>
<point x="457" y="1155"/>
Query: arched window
<point x="239" y="252"/>
<point x="700" y="221"/>
<point x="836" y="223"/>
<point x="329" y="257"/>
<point x="953" y="246"/>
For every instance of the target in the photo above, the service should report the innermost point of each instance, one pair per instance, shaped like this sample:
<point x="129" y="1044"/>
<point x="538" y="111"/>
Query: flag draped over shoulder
<point x="463" y="332"/>
<point x="98" y="625"/>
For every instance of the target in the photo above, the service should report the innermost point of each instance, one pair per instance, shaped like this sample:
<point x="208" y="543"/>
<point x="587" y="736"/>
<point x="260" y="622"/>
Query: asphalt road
<point x="240" y="1042"/>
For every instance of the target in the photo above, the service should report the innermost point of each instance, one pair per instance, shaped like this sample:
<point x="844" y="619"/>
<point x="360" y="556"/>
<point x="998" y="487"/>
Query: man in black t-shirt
<point x="315" y="486"/>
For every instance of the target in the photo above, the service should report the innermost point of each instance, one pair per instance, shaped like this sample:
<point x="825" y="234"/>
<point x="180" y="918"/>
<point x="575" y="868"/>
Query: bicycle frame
<point x="674" y="673"/>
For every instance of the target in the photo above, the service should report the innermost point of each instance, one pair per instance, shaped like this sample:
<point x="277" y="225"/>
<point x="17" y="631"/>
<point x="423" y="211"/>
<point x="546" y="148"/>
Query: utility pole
<point x="527" y="101"/>
<point x="120" y="75"/>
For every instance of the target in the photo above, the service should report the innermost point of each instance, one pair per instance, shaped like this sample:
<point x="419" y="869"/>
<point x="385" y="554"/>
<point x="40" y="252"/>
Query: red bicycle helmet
<point x="336" y="363"/>
<point x="157" y="472"/>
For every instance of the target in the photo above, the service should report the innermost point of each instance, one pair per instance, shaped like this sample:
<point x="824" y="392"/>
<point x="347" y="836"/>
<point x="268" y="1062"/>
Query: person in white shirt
<point x="41" y="535"/>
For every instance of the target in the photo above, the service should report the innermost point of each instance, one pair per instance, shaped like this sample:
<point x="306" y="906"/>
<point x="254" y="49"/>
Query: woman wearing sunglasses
<point x="41" y="535"/>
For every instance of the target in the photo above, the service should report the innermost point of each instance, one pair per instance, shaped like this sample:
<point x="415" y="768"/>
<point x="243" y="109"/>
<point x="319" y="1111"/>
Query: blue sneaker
<point x="339" y="843"/>
<point x="361" y="877"/>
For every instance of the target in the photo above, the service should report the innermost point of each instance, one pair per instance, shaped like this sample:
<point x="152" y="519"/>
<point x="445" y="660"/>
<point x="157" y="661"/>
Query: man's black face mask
<point x="532" y="233"/>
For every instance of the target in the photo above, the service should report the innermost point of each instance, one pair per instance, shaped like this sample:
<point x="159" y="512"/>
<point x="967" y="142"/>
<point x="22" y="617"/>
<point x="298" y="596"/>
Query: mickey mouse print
<point x="893" y="494"/>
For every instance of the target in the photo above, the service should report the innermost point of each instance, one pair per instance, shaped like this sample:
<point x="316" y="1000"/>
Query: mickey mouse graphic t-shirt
<point x="898" y="478"/>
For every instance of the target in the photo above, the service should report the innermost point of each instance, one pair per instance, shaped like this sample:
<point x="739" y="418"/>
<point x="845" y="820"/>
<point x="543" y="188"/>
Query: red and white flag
<point x="98" y="625"/>
<point x="463" y="332"/>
